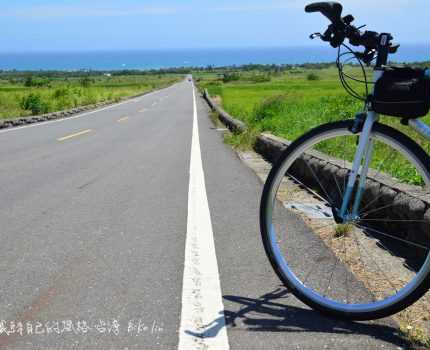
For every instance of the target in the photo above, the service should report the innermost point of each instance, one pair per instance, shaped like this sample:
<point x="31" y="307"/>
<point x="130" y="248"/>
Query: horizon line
<point x="208" y="48"/>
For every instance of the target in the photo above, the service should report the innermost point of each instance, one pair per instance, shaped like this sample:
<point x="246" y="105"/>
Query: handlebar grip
<point x="332" y="10"/>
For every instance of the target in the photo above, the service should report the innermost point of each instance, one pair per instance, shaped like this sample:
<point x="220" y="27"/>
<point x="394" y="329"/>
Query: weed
<point x="343" y="230"/>
<point x="415" y="334"/>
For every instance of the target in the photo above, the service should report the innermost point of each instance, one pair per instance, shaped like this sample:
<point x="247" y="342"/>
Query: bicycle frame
<point x="363" y="159"/>
<point x="364" y="150"/>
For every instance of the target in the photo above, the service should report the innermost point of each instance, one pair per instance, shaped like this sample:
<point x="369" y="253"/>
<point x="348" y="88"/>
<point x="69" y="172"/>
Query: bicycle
<point x="344" y="211"/>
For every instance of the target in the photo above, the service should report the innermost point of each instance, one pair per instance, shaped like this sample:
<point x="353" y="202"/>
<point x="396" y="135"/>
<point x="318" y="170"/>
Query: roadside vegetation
<point x="289" y="102"/>
<point x="34" y="93"/>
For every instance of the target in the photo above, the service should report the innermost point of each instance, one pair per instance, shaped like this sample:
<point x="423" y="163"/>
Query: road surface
<point x="135" y="227"/>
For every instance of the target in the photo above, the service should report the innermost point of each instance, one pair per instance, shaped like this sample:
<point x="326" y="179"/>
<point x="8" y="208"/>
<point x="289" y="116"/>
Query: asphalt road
<point x="94" y="216"/>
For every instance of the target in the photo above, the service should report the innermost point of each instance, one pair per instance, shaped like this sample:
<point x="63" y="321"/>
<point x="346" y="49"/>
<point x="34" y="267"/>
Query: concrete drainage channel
<point x="400" y="201"/>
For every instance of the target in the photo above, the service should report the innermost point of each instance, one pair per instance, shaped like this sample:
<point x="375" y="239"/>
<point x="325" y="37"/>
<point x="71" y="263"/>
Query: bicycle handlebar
<point x="341" y="29"/>
<point x="332" y="10"/>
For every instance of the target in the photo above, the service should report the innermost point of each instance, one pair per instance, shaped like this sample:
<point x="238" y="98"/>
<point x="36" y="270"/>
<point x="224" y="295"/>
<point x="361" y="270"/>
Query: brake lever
<point x="394" y="48"/>
<point x="315" y="35"/>
<point x="367" y="56"/>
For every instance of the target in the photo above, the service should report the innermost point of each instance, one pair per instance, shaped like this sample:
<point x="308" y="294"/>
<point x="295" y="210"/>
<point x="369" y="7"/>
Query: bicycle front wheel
<point x="370" y="266"/>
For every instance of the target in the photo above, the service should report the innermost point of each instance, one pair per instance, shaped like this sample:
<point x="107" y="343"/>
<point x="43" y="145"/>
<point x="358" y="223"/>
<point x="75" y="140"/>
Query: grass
<point x="343" y="230"/>
<point x="24" y="96"/>
<point x="303" y="103"/>
<point x="290" y="103"/>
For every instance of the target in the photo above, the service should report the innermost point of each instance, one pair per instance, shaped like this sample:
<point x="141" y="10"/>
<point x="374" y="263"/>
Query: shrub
<point x="35" y="104"/>
<point x="28" y="81"/>
<point x="229" y="77"/>
<point x="61" y="92"/>
<point x="36" y="82"/>
<point x="86" y="82"/>
<point x="64" y="97"/>
<point x="312" y="77"/>
<point x="90" y="97"/>
<point x="295" y="71"/>
<point x="270" y="107"/>
<point x="260" y="78"/>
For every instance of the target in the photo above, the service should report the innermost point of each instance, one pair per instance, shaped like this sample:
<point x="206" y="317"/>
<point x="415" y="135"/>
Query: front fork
<point x="363" y="156"/>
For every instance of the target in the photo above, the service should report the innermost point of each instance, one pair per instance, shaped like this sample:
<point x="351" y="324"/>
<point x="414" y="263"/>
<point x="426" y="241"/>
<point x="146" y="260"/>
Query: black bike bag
<point x="402" y="92"/>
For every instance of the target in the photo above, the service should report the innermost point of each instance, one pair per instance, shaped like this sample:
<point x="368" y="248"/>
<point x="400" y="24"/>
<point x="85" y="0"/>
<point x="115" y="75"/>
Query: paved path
<point x="101" y="212"/>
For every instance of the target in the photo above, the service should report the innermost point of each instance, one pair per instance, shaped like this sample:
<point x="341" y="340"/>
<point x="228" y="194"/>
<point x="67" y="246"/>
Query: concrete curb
<point x="270" y="146"/>
<point x="233" y="124"/>
<point x="398" y="201"/>
<point x="16" y="122"/>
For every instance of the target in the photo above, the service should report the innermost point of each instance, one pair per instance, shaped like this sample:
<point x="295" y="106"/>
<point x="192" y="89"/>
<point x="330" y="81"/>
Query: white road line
<point x="137" y="99"/>
<point x="202" y="319"/>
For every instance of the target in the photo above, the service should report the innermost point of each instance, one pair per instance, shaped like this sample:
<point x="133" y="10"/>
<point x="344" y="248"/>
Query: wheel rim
<point x="315" y="291"/>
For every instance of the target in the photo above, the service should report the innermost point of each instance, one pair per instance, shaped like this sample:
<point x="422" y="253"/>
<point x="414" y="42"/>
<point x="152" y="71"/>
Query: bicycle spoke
<point x="312" y="268"/>
<point x="331" y="277"/>
<point x="422" y="195"/>
<point x="380" y="269"/>
<point x="319" y="256"/>
<point x="393" y="237"/>
<point x="344" y="163"/>
<point x="346" y="270"/>
<point x="394" y="220"/>
<point x="380" y="208"/>
<point x="319" y="182"/>
<point x="361" y="259"/>
<point x="308" y="189"/>
<point x="338" y="187"/>
<point x="377" y="173"/>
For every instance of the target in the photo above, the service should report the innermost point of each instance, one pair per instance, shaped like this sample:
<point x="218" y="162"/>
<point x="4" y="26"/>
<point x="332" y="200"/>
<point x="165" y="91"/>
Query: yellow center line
<point x="122" y="120"/>
<point x="74" y="135"/>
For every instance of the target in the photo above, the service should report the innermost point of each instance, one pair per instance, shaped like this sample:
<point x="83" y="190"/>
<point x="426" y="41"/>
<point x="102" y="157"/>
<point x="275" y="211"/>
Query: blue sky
<point x="74" y="25"/>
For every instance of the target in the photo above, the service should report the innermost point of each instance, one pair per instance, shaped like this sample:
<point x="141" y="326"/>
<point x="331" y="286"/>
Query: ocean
<point x="155" y="59"/>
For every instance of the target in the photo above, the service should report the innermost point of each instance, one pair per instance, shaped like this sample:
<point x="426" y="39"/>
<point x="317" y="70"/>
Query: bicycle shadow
<point x="266" y="314"/>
